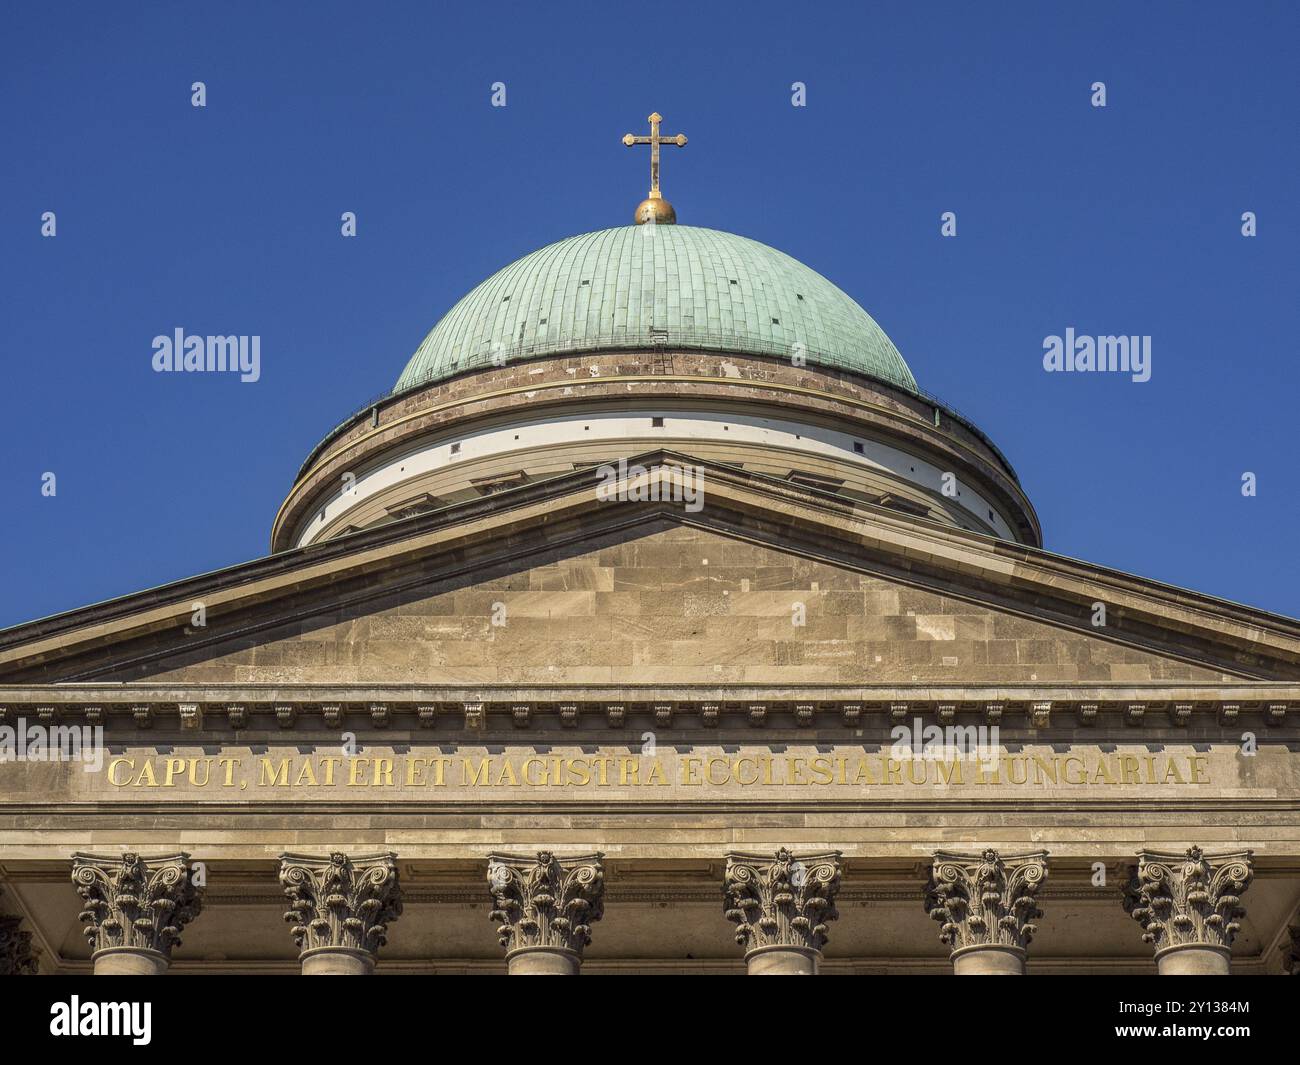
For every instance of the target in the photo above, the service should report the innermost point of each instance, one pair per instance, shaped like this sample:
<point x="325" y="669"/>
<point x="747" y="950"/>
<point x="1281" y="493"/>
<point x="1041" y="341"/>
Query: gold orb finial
<point x="655" y="209"/>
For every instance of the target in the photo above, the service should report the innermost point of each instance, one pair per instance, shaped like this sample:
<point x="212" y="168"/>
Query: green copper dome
<point x="641" y="286"/>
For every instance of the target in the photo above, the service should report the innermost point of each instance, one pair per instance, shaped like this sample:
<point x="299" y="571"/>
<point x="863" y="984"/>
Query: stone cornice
<point x="1020" y="712"/>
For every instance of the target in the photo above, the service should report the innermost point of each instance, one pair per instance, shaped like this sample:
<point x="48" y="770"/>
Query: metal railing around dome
<point x="664" y="342"/>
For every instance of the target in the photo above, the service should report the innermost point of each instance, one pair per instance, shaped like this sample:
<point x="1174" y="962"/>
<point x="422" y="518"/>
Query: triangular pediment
<point x="557" y="582"/>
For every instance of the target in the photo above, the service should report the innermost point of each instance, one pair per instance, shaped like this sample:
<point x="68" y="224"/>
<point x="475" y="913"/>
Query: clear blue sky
<point x="1122" y="220"/>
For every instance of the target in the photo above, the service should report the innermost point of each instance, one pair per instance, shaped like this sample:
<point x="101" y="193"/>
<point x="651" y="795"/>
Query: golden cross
<point x="654" y="140"/>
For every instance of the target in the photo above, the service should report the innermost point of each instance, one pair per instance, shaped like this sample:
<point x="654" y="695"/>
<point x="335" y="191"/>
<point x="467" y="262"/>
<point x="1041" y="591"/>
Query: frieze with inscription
<point x="423" y="772"/>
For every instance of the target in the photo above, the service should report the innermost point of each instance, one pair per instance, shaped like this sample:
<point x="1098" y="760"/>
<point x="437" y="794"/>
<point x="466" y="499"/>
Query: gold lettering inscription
<point x="278" y="779"/>
<point x="854" y="773"/>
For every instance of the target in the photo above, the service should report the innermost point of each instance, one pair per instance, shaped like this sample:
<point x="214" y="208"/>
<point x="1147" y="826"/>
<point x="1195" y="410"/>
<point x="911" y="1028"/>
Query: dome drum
<point x="836" y="431"/>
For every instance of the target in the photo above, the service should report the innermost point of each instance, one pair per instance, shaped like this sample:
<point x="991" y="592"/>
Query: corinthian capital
<point x="1189" y="900"/>
<point x="786" y="900"/>
<point x="543" y="902"/>
<point x="16" y="957"/>
<point x="985" y="901"/>
<point x="134" y="903"/>
<point x="1291" y="952"/>
<point x="339" y="902"/>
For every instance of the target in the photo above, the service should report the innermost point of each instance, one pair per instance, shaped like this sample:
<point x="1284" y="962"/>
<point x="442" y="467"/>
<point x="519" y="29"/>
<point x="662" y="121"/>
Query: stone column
<point x="135" y="909"/>
<point x="781" y="906"/>
<point x="16" y="957"/>
<point x="986" y="908"/>
<point x="1189" y="908"/>
<point x="544" y="907"/>
<point x="340" y="908"/>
